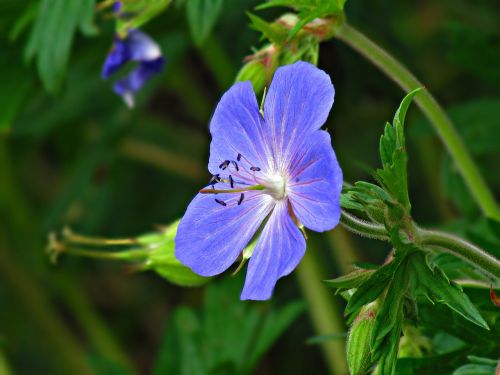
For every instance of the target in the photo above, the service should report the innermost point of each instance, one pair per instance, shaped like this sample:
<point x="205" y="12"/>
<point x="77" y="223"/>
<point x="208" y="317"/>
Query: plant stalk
<point x="326" y="316"/>
<point x="463" y="249"/>
<point x="432" y="110"/>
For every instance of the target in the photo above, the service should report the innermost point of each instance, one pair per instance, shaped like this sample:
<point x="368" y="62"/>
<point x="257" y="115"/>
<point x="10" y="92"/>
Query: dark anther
<point x="235" y="165"/>
<point x="222" y="203"/>
<point x="255" y="169"/>
<point x="238" y="157"/>
<point x="241" y="198"/>
<point x="231" y="181"/>
<point x="215" y="178"/>
<point x="224" y="164"/>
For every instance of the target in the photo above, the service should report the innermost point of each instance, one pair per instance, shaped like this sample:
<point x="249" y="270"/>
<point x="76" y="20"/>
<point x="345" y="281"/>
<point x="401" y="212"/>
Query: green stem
<point x="450" y="243"/>
<point x="343" y="249"/>
<point x="435" y="114"/>
<point x="326" y="316"/>
<point x="134" y="254"/>
<point x="462" y="249"/>
<point x="363" y="228"/>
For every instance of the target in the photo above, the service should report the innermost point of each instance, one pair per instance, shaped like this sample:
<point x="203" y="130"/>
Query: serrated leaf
<point x="308" y="10"/>
<point x="52" y="36"/>
<point x="434" y="285"/>
<point x="272" y="31"/>
<point x="351" y="280"/>
<point x="393" y="175"/>
<point x="202" y="16"/>
<point x="390" y="313"/>
<point x="372" y="287"/>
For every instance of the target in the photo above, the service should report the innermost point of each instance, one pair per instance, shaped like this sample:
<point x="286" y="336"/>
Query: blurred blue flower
<point x="138" y="47"/>
<point x="276" y="171"/>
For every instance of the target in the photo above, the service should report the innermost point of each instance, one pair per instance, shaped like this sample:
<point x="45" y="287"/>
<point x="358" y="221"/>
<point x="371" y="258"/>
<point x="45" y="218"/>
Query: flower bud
<point x="161" y="258"/>
<point x="358" y="341"/>
<point x="255" y="72"/>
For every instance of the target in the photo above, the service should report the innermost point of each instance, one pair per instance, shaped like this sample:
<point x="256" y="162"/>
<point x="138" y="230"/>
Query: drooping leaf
<point x="202" y="16"/>
<point x="52" y="36"/>
<point x="138" y="13"/>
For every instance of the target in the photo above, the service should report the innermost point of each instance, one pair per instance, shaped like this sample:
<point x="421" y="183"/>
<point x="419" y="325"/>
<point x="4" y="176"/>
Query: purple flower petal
<point x="316" y="183"/>
<point x="279" y="249"/>
<point x="142" y="47"/>
<point x="117" y="57"/>
<point x="298" y="102"/>
<point x="127" y="86"/>
<point x="211" y="236"/>
<point x="237" y="127"/>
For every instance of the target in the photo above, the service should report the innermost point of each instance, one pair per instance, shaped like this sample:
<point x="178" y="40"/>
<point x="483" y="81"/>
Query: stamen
<point x="235" y="165"/>
<point x="224" y="164"/>
<point x="238" y="157"/>
<point x="222" y="203"/>
<point x="231" y="181"/>
<point x="241" y="198"/>
<point x="215" y="178"/>
<point x="255" y="169"/>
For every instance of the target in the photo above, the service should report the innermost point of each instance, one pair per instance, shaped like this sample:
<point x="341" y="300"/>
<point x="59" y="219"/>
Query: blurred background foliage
<point x="72" y="154"/>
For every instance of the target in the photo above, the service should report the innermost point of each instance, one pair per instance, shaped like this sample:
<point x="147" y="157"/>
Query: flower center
<point x="276" y="186"/>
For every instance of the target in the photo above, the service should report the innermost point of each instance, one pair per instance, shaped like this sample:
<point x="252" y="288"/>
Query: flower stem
<point x="363" y="228"/>
<point x="434" y="113"/>
<point x="326" y="316"/>
<point x="463" y="249"/>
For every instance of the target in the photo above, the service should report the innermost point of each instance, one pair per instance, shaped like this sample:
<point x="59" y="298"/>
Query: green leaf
<point x="52" y="36"/>
<point x="179" y="352"/>
<point x="307" y="10"/>
<point x="393" y="175"/>
<point x="274" y="325"/>
<point x="351" y="280"/>
<point x="475" y="369"/>
<point x="272" y="31"/>
<point x="139" y="13"/>
<point x="230" y="338"/>
<point x="433" y="284"/>
<point x="202" y="16"/>
<point x="372" y="287"/>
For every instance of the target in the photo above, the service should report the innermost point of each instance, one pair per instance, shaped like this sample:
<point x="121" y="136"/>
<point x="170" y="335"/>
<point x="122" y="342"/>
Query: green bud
<point x="253" y="71"/>
<point x="161" y="258"/>
<point x="413" y="343"/>
<point x="358" y="341"/>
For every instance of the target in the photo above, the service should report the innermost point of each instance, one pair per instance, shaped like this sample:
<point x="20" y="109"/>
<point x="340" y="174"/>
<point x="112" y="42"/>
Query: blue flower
<point x="276" y="171"/>
<point x="139" y="47"/>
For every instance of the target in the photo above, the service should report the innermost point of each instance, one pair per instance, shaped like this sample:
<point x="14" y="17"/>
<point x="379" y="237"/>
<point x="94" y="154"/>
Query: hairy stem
<point x="432" y="110"/>
<point x="362" y="227"/>
<point x="462" y="249"/>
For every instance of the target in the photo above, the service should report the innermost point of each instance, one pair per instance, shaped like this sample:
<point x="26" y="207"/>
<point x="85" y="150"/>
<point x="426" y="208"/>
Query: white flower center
<point x="276" y="186"/>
